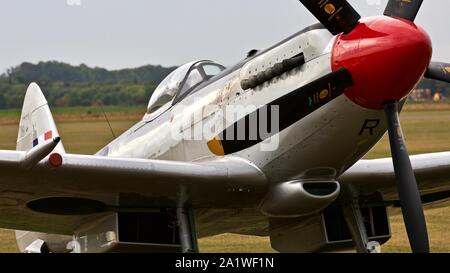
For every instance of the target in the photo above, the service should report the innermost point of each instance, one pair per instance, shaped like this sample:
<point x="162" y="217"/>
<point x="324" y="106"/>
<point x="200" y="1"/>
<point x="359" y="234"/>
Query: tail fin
<point x="36" y="121"/>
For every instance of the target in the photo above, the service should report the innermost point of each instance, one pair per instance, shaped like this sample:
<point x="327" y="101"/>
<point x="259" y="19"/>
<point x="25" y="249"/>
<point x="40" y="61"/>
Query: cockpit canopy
<point x="181" y="82"/>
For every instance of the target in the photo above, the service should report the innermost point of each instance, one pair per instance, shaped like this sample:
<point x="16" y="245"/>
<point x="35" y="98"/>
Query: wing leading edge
<point x="370" y="176"/>
<point x="119" y="184"/>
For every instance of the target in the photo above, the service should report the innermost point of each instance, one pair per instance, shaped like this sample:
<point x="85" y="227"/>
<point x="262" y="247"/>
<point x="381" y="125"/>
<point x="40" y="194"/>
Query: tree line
<point x="67" y="85"/>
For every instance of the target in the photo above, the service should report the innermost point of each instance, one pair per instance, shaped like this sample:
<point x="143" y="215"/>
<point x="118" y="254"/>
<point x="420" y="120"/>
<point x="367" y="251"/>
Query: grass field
<point x="83" y="130"/>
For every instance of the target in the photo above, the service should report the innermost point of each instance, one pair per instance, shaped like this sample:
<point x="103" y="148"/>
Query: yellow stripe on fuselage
<point x="215" y="146"/>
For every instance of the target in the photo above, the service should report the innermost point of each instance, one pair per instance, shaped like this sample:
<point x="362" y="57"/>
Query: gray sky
<point x="118" y="33"/>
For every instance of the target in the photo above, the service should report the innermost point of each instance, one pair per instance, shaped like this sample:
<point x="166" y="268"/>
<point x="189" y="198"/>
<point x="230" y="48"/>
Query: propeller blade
<point x="408" y="191"/>
<point x="336" y="15"/>
<point x="438" y="71"/>
<point x="406" y="9"/>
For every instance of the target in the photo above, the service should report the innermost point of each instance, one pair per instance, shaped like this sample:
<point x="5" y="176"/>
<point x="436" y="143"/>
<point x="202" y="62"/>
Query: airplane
<point x="271" y="146"/>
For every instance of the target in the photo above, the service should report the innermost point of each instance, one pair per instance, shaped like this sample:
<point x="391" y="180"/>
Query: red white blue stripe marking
<point x="42" y="138"/>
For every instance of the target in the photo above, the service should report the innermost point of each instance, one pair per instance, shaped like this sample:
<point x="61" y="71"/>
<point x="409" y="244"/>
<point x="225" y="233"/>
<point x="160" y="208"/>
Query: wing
<point x="83" y="185"/>
<point x="371" y="176"/>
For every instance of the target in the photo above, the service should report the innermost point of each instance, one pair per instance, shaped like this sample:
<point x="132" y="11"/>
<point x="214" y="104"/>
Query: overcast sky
<point x="129" y="33"/>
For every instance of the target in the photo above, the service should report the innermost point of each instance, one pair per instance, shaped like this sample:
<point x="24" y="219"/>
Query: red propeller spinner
<point x="387" y="58"/>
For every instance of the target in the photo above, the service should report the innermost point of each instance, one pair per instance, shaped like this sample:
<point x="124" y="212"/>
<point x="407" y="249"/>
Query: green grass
<point x="425" y="131"/>
<point x="98" y="110"/>
<point x="6" y="113"/>
<point x="81" y="110"/>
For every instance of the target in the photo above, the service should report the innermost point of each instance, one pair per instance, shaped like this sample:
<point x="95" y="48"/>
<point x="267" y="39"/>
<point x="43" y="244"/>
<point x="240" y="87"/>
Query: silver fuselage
<point x="326" y="142"/>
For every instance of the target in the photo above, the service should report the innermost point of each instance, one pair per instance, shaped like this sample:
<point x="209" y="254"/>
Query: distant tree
<point x="2" y="101"/>
<point x="66" y="85"/>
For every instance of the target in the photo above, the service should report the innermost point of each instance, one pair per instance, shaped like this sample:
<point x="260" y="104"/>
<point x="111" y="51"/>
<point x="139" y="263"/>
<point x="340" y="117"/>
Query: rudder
<point x="36" y="121"/>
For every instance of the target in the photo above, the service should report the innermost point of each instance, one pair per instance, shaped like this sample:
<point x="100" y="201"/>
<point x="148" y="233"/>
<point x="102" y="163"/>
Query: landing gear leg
<point x="187" y="231"/>
<point x="355" y="223"/>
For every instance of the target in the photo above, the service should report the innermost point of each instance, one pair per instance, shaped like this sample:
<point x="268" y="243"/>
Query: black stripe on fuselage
<point x="292" y="107"/>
